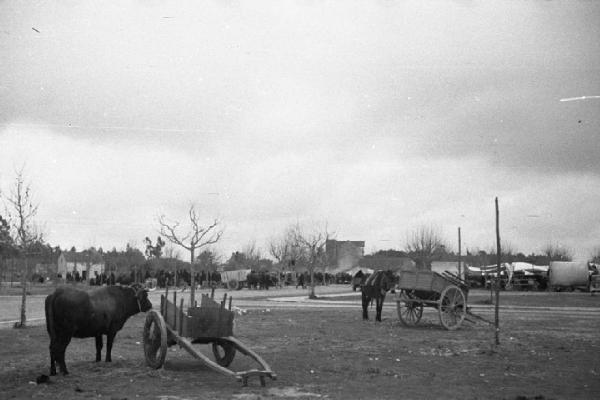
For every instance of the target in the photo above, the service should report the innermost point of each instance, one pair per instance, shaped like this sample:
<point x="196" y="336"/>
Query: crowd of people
<point x="182" y="278"/>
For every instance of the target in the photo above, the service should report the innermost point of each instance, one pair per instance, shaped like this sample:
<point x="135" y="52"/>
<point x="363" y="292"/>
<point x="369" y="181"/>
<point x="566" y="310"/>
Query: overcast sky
<point x="376" y="117"/>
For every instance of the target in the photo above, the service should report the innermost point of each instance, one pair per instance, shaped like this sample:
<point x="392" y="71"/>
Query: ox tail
<point x="49" y="305"/>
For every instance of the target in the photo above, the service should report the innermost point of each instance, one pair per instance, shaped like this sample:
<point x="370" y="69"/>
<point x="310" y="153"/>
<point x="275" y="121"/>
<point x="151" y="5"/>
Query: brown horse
<point x="376" y="287"/>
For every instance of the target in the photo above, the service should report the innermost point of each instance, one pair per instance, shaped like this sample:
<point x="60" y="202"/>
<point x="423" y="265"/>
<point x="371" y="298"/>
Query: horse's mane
<point x="375" y="279"/>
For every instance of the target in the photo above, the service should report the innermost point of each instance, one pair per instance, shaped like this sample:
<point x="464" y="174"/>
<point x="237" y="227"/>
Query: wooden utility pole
<point x="459" y="255"/>
<point x="497" y="280"/>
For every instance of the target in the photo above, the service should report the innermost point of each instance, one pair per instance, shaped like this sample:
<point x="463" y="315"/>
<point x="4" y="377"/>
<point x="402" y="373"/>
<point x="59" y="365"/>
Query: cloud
<point x="374" y="116"/>
<point x="108" y="194"/>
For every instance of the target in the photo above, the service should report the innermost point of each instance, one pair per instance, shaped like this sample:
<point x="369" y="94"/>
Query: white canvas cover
<point x="528" y="268"/>
<point x="442" y="266"/>
<point x="354" y="270"/>
<point x="240" y="275"/>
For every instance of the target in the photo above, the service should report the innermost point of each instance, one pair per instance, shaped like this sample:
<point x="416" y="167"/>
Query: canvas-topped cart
<point x="422" y="288"/>
<point x="211" y="323"/>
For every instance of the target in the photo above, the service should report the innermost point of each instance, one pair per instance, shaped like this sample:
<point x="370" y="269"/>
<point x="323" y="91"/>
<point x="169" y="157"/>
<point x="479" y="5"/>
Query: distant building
<point x="78" y="262"/>
<point x="344" y="255"/>
<point x="45" y="269"/>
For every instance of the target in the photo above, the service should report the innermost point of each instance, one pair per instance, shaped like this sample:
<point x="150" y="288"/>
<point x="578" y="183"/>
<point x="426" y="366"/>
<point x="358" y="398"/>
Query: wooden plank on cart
<point x="210" y="320"/>
<point x="422" y="280"/>
<point x="170" y="313"/>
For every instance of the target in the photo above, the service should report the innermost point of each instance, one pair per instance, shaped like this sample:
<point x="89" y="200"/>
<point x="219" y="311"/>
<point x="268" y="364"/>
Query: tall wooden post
<point x="498" y="259"/>
<point x="459" y="256"/>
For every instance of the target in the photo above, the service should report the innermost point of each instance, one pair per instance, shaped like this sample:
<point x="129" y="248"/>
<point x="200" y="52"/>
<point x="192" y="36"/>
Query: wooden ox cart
<point x="422" y="288"/>
<point x="210" y="323"/>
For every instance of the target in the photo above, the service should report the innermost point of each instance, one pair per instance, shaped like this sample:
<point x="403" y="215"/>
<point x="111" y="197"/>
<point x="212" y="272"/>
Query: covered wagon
<point x="563" y="275"/>
<point x="235" y="279"/>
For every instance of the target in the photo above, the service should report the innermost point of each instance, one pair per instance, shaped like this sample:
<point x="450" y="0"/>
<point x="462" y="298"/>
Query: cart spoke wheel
<point x="233" y="284"/>
<point x="155" y="340"/>
<point x="224" y="352"/>
<point x="409" y="312"/>
<point x="452" y="307"/>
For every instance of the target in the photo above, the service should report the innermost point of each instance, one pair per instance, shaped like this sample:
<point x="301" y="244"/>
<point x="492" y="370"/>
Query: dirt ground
<point x="332" y="353"/>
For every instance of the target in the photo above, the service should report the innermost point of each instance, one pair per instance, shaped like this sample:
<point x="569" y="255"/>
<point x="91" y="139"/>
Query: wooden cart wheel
<point x="233" y="284"/>
<point x="452" y="307"/>
<point x="155" y="339"/>
<point x="409" y="312"/>
<point x="224" y="352"/>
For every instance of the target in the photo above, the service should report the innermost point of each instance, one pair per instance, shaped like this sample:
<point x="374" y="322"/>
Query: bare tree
<point x="595" y="255"/>
<point x="423" y="243"/>
<point x="196" y="237"/>
<point x="284" y="248"/>
<point x="507" y="249"/>
<point x="172" y="252"/>
<point x="310" y="246"/>
<point x="252" y="255"/>
<point x="22" y="210"/>
<point x="557" y="253"/>
<point x="279" y="248"/>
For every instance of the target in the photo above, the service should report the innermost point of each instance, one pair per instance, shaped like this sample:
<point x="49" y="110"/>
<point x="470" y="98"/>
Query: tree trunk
<point x="192" y="279"/>
<point x="311" y="287"/>
<point x="24" y="297"/>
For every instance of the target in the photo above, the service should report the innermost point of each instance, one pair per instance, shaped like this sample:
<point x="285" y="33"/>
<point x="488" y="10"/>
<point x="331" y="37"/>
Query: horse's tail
<point x="367" y="291"/>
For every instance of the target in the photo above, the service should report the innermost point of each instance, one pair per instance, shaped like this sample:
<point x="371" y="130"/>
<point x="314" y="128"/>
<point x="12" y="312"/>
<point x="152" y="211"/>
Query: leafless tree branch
<point x="196" y="238"/>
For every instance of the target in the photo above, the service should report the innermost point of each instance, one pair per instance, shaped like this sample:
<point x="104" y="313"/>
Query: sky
<point x="373" y="118"/>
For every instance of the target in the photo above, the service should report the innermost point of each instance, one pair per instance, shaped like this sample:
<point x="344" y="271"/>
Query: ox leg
<point x="110" y="336"/>
<point x="52" y="357"/>
<point x="60" y="349"/>
<point x="98" y="347"/>
<point x="365" y="306"/>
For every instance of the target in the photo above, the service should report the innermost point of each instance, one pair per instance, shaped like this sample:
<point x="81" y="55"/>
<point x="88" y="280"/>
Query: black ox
<point x="75" y="313"/>
<point x="375" y="288"/>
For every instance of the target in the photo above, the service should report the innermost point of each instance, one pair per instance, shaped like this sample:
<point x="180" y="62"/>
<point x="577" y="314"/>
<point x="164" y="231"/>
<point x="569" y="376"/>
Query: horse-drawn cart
<point x="422" y="288"/>
<point x="211" y="323"/>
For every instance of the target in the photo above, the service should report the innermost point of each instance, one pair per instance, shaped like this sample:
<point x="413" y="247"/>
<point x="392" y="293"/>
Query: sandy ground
<point x="549" y="349"/>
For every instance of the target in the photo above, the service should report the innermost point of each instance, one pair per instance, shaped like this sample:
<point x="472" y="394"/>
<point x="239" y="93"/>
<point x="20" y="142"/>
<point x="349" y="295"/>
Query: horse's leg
<point x="379" y="306"/>
<point x="365" y="305"/>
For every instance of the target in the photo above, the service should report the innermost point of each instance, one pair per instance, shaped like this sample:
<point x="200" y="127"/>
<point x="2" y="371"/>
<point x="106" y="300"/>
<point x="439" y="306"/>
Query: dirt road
<point x="292" y="298"/>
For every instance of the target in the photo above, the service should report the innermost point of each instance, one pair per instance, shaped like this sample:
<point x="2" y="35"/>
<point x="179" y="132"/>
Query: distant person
<point x="300" y="281"/>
